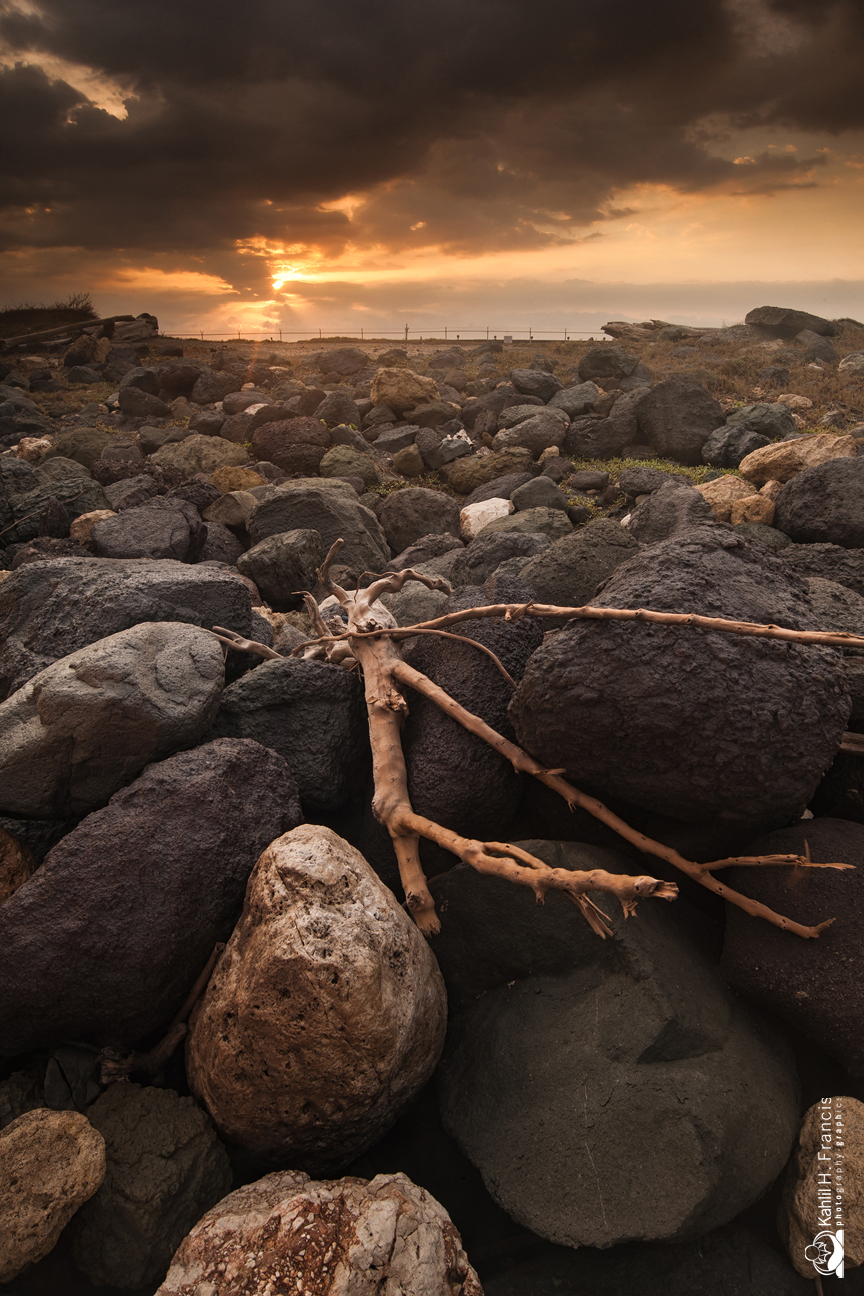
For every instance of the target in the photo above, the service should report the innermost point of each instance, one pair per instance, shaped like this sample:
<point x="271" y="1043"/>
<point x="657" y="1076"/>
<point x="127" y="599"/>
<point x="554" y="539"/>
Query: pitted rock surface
<point x="325" y="1014"/>
<point x="348" y="1237"/>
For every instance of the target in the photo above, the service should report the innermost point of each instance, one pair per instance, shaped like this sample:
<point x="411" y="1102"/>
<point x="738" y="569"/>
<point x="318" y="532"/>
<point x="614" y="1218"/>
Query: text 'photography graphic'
<point x="826" y="1251"/>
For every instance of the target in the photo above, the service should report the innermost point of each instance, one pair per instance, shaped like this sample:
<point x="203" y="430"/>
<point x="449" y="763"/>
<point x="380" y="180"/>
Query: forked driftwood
<point x="368" y="641"/>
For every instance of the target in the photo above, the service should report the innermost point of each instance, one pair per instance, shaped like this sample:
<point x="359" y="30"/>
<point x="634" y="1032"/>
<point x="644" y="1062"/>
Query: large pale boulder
<point x="200" y="454"/>
<point x="88" y="724"/>
<point x="402" y="389"/>
<point x="782" y="460"/>
<point x="345" y="1237"/>
<point x="325" y="1014"/>
<point x="51" y="1162"/>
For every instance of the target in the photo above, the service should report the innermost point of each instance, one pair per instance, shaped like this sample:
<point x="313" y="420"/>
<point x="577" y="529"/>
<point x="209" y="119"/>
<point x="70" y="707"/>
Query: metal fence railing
<point x="431" y="334"/>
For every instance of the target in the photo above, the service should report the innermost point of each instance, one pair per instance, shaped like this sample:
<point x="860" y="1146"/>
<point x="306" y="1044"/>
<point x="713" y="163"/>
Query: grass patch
<point x="615" y="467"/>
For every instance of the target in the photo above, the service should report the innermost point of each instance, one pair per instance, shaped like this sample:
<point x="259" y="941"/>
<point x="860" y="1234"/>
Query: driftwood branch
<point x="370" y="639"/>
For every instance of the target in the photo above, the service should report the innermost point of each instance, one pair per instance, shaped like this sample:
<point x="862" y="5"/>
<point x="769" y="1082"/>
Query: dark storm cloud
<point x="493" y="124"/>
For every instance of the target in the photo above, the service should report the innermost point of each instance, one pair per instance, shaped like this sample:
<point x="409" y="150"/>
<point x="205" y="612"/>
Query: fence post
<point x="280" y="335"/>
<point x="406" y="332"/>
<point x="487" y="332"/>
<point x="445" y="332"/>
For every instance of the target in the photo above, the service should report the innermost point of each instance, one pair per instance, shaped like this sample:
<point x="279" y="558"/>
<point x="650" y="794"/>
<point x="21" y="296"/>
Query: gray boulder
<point x="157" y="877"/>
<point x="311" y="713"/>
<point x="428" y="546"/>
<point x="540" y="492"/>
<point x="25" y="492"/>
<point x="220" y="545"/>
<point x="344" y="361"/>
<point x="783" y="322"/>
<point x="677" y="417"/>
<point x="513" y="414"/>
<point x="648" y="1105"/>
<point x="338" y="407"/>
<point x="211" y="386"/>
<point x="568" y="572"/>
<point x="161" y="528"/>
<point x="283" y="566"/>
<point x="684" y="722"/>
<point x="643" y="480"/>
<point x="54" y="608"/>
<point x="130" y="492"/>
<point x="817" y="348"/>
<point x="334" y="511"/>
<point x="408" y="514"/>
<point x="535" y="382"/>
<point x="729" y="444"/>
<point x="89" y="723"/>
<point x="553" y="522"/>
<point x="766" y="419"/>
<point x="576" y="400"/>
<point x="135" y="403"/>
<point x="535" y="434"/>
<point x="498" y="488"/>
<point x="824" y="505"/>
<point x="674" y="507"/>
<point x="165" y="1168"/>
<point x="489" y="550"/>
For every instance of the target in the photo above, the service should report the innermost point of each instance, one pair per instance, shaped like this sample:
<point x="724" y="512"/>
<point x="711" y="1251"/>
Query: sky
<point x="370" y="164"/>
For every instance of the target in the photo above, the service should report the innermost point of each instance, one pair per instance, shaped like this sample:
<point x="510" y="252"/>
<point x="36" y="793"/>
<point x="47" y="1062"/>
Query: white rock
<point x="474" y="517"/>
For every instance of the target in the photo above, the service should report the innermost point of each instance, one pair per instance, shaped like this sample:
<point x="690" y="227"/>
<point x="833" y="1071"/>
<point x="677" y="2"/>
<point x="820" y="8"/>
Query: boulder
<point x="220" y="545"/>
<point x="767" y="420"/>
<point x="677" y="416"/>
<point x="535" y="434"/>
<point x="89" y="723"/>
<point x="344" y="361"/>
<point x="754" y="509"/>
<point x="135" y="403"/>
<point x="83" y="445"/>
<point x="402" y="389"/>
<point x="553" y="522"/>
<point x="434" y="414"/>
<point x="649" y="1104"/>
<point x="642" y="480"/>
<point x="816" y="1197"/>
<point x="325" y="1014"/>
<point x="179" y="376"/>
<point x="164" y="1168"/>
<point x="824" y="505"/>
<point x="474" y="517"/>
<point x="53" y="1161"/>
<point x="611" y="367"/>
<point x="817" y="986"/>
<point x="817" y="348"/>
<point x="386" y="1237"/>
<point x="55" y="608"/>
<point x="568" y="572"/>
<point x="283" y="566"/>
<point x="26" y="492"/>
<point x="333" y="510"/>
<point x="783" y="322"/>
<point x="161" y="528"/>
<point x="200" y="454"/>
<point x="852" y="363"/>
<point x="535" y="382"/>
<point x="577" y="400"/>
<point x="428" y="546"/>
<point x="156" y="878"/>
<point x="414" y="603"/>
<point x="513" y="414"/>
<point x="295" y="445"/>
<point x="835" y="607"/>
<point x="231" y="509"/>
<point x="408" y="514"/>
<point x="130" y="492"/>
<point x="465" y="475"/>
<point x="722" y="493"/>
<point x="445" y="451"/>
<point x="211" y="386"/>
<point x="344" y="461"/>
<point x="729" y="444"/>
<point x="498" y="488"/>
<point x="487" y="552"/>
<point x="311" y="713"/>
<point x="782" y="461"/>
<point x="233" y="479"/>
<point x="673" y="508"/>
<point x="690" y="724"/>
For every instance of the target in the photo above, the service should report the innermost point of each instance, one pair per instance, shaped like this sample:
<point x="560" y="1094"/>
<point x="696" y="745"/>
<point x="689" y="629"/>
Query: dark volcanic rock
<point x="677" y="417"/>
<point x="161" y="528"/>
<point x="612" y="366"/>
<point x="729" y="444"/>
<point x="165" y="1168"/>
<point x="55" y="608"/>
<point x="311" y="713"/>
<point x="690" y="724"/>
<point x="284" y="565"/>
<point x="90" y="722"/>
<point x="150" y="884"/>
<point x="569" y="571"/>
<point x="334" y="512"/>
<point x="817" y="985"/>
<point x="406" y="515"/>
<point x="535" y="382"/>
<point x="674" y="507"/>
<point x="608" y="1091"/>
<point x="295" y="445"/>
<point x="824" y="505"/>
<point x="485" y="553"/>
<point x="783" y="322"/>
